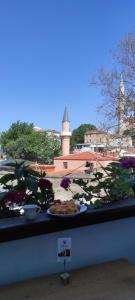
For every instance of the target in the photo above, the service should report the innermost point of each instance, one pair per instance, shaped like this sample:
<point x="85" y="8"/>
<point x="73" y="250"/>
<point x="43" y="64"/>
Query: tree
<point x="78" y="134"/>
<point x="15" y="131"/>
<point x="22" y="141"/>
<point x="123" y="61"/>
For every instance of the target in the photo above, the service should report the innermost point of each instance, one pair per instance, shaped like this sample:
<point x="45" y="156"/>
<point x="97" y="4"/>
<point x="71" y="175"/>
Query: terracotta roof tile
<point x="87" y="156"/>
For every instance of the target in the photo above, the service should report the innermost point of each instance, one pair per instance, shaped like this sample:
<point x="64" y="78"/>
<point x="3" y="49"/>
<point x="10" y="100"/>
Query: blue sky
<point x="49" y="50"/>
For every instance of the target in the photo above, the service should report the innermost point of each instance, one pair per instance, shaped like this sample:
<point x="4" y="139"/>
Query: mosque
<point x="103" y="149"/>
<point x="76" y="162"/>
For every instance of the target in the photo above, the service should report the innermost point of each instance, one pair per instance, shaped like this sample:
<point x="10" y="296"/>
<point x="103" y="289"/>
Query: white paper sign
<point x="64" y="249"/>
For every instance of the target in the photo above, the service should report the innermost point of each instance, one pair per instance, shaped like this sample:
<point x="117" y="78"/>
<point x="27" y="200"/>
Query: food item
<point x="65" y="208"/>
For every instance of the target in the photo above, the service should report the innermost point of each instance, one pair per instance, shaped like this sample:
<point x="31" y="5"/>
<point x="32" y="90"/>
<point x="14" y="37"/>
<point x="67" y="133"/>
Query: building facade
<point x="77" y="162"/>
<point x="103" y="140"/>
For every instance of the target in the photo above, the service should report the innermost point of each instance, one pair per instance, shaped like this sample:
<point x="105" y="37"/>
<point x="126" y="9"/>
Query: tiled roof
<point x="87" y="156"/>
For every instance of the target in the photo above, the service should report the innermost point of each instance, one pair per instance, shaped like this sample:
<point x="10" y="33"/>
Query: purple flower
<point x="128" y="163"/>
<point x="65" y="182"/>
<point x="45" y="184"/>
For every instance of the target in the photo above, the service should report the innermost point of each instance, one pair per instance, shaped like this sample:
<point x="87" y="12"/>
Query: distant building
<point x="77" y="161"/>
<point x="51" y="132"/>
<point x="36" y="128"/>
<point x="125" y="154"/>
<point x="97" y="137"/>
<point x="118" y="141"/>
<point x="98" y="140"/>
<point x="85" y="147"/>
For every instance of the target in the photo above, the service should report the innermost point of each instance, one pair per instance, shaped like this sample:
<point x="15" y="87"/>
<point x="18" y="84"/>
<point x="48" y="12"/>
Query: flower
<point x="47" y="194"/>
<point x="45" y="184"/>
<point x="128" y="163"/>
<point x="15" y="197"/>
<point x="65" y="182"/>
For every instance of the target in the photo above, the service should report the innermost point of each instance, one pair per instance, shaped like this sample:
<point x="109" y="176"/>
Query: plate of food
<point x="65" y="209"/>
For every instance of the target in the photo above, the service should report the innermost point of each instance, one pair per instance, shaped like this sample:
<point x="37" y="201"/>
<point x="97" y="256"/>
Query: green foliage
<point x="15" y="131"/>
<point x="6" y="178"/>
<point x="22" y="179"/>
<point x="130" y="133"/>
<point x="21" y="141"/>
<point x="24" y="187"/>
<point x="87" y="188"/>
<point x="96" y="204"/>
<point x="78" y="134"/>
<point x="113" y="183"/>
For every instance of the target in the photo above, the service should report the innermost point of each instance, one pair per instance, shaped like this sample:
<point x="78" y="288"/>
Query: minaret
<point x="121" y="112"/>
<point x="65" y="134"/>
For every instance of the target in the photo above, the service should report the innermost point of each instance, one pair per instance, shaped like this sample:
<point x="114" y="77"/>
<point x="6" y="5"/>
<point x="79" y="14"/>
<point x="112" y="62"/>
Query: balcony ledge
<point x="18" y="228"/>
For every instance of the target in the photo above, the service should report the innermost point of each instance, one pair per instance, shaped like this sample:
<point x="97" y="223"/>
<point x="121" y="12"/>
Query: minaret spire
<point x="65" y="134"/>
<point x="121" y="117"/>
<point x="65" y="116"/>
<point x="122" y="88"/>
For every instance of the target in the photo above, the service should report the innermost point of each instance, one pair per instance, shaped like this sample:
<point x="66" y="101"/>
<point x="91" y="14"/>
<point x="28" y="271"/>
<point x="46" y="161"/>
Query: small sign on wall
<point x="64" y="249"/>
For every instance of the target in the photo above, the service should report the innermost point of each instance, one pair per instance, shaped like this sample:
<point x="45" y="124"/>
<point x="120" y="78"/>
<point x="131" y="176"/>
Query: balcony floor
<point x="109" y="281"/>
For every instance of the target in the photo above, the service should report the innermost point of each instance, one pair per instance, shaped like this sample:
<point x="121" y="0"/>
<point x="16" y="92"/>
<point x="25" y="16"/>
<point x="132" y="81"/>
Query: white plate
<point x="83" y="208"/>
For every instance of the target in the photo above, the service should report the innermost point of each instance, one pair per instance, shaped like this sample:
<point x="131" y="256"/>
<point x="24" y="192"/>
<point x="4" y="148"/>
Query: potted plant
<point x="113" y="183"/>
<point x="24" y="186"/>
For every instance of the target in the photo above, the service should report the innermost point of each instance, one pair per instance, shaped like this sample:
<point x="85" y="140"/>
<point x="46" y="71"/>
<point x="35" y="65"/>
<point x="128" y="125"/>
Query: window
<point x="65" y="164"/>
<point x="90" y="167"/>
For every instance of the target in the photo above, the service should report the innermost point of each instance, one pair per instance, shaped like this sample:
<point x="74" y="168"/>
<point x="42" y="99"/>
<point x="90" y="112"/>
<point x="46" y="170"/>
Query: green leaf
<point x="6" y="178"/>
<point x="2" y="195"/>
<point x="32" y="184"/>
<point x="98" y="203"/>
